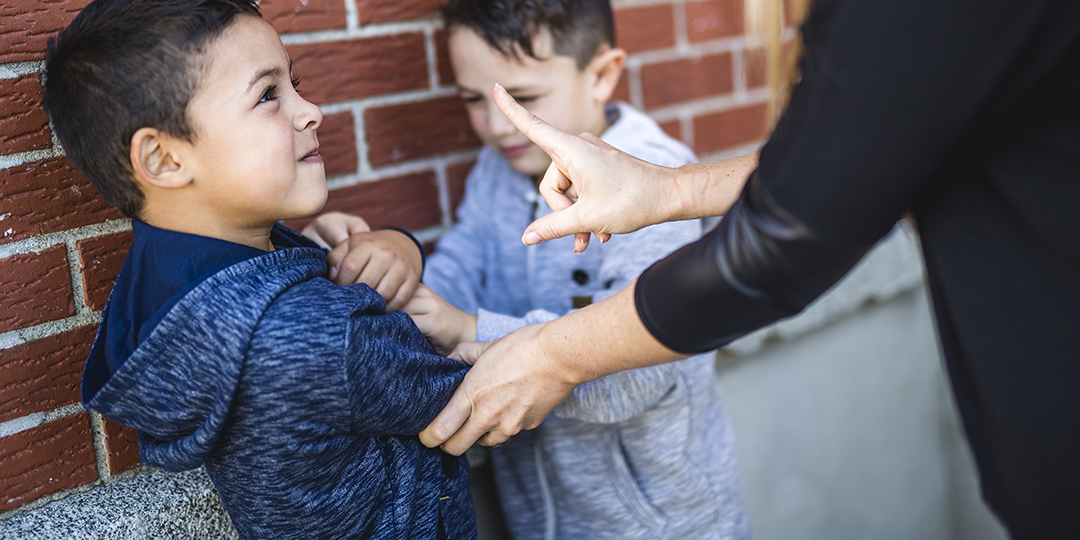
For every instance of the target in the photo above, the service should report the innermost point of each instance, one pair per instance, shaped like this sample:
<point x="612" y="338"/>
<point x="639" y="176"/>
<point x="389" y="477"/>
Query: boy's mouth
<point x="313" y="156"/>
<point x="513" y="151"/>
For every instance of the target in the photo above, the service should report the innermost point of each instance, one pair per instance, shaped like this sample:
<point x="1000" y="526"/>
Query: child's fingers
<point x="403" y="294"/>
<point x="467" y="352"/>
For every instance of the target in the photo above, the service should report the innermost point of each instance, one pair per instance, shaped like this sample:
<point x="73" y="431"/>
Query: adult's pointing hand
<point x="591" y="186"/>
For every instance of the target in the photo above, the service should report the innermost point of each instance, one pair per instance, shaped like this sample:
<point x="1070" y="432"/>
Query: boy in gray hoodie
<point x="647" y="453"/>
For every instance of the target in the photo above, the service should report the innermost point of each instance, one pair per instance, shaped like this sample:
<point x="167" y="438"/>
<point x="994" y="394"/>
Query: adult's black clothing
<point x="966" y="112"/>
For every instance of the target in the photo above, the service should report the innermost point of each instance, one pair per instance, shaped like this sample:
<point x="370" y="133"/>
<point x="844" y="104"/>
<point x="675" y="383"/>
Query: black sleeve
<point x="891" y="93"/>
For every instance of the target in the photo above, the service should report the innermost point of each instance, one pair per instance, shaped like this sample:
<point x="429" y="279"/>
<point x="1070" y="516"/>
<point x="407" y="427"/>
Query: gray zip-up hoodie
<point x="647" y="453"/>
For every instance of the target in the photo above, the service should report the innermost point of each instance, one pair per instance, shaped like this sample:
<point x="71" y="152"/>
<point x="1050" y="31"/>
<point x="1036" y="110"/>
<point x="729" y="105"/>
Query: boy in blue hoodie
<point x="222" y="342"/>
<point x="646" y="453"/>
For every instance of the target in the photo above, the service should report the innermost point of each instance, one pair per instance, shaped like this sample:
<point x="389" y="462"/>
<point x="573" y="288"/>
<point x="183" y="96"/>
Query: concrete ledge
<point x="154" y="505"/>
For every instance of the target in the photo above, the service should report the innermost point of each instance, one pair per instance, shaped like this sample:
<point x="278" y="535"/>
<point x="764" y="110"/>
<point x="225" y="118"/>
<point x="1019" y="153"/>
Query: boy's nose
<point x="309" y="116"/>
<point x="498" y="124"/>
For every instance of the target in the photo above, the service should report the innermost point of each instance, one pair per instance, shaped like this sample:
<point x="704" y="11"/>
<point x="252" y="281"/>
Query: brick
<point x="714" y="19"/>
<point x="122" y="444"/>
<point x="622" y="90"/>
<point x="44" y="460"/>
<point x="717" y="131"/>
<point x="336" y="71"/>
<point x="442" y="59"/>
<point x="291" y="16"/>
<point x="102" y="257"/>
<point x="381" y="11"/>
<point x="456" y="175"/>
<point x="673" y="128"/>
<point x="410" y="202"/>
<point x="48" y="196"/>
<point x="25" y="26"/>
<point x="684" y="80"/>
<point x="645" y="28"/>
<point x="24" y="126"/>
<point x="36" y="289"/>
<point x="337" y="144"/>
<point x="43" y="374"/>
<point x="413" y="130"/>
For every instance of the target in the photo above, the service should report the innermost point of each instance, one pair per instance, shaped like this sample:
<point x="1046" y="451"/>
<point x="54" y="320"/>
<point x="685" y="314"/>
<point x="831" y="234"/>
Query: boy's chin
<point x="531" y="167"/>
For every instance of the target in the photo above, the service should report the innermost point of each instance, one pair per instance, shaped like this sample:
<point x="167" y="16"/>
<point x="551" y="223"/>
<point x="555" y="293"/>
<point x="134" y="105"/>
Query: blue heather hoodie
<point x="302" y="399"/>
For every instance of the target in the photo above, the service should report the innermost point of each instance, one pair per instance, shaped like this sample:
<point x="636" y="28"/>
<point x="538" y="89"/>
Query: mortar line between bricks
<point x="33" y="420"/>
<point x="399" y="169"/>
<point x="401" y="98"/>
<point x="432" y="59"/>
<point x="682" y="35"/>
<point x="670" y="54"/>
<point x="18" y="69"/>
<point x="43" y="330"/>
<point x="361" y="32"/>
<point x="352" y="15"/>
<point x="101" y="451"/>
<point x="444" y="193"/>
<point x="21" y="158"/>
<point x="710" y="105"/>
<point x="622" y="4"/>
<point x="78" y="286"/>
<point x="45" y="241"/>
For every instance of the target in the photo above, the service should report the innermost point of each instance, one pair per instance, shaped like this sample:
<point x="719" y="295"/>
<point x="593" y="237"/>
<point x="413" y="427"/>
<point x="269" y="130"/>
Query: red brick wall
<point x="397" y="149"/>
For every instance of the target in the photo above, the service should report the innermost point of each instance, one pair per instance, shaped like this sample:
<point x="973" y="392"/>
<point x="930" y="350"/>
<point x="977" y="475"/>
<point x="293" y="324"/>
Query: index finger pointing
<point x="547" y="137"/>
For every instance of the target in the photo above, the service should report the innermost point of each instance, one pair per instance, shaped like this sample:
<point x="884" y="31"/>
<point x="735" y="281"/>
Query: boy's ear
<point x="155" y="160"/>
<point x="607" y="68"/>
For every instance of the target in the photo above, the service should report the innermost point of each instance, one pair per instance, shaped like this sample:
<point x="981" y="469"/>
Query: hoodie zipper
<point x="533" y="197"/>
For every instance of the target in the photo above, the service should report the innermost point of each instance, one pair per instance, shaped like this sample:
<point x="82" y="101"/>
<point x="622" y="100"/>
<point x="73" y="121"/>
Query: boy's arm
<point x="397" y="384"/>
<point x="456" y="270"/>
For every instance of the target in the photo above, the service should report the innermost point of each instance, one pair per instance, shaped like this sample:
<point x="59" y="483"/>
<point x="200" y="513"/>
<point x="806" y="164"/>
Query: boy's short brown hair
<point x="122" y="65"/>
<point x="578" y="27"/>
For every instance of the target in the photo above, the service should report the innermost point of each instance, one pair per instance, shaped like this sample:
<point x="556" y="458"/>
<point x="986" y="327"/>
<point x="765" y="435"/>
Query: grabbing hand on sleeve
<point x="385" y="260"/>
<point x="444" y="325"/>
<point x="332" y="228"/>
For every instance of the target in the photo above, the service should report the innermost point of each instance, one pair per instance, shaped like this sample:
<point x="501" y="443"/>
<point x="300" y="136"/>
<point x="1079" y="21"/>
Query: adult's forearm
<point x="601" y="339"/>
<point x="704" y="190"/>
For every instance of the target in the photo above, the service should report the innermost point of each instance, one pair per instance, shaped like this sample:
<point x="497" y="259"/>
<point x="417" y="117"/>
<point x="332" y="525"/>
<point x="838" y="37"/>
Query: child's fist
<point x="387" y="261"/>
<point x="444" y="325"/>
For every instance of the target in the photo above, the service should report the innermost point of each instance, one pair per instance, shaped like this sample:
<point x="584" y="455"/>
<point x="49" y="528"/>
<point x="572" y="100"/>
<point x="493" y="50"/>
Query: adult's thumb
<point x="557" y="224"/>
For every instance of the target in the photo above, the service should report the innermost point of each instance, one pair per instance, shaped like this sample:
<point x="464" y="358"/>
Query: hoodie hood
<point x="177" y="387"/>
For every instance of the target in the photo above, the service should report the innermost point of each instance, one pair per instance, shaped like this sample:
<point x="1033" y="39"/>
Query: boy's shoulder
<point x="637" y="134"/>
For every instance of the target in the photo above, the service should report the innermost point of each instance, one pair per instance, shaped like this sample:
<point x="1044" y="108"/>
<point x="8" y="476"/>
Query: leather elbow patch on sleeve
<point x="759" y="265"/>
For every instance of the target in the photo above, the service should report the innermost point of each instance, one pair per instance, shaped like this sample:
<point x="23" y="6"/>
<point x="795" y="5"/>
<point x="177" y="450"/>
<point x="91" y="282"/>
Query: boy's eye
<point x="296" y="84"/>
<point x="524" y="99"/>
<point x="269" y="95"/>
<point x="471" y="99"/>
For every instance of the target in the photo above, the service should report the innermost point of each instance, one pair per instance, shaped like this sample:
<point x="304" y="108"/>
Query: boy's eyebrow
<point x="510" y="90"/>
<point x="273" y="73"/>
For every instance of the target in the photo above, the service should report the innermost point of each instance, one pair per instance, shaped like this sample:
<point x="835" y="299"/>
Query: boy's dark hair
<point x="578" y="27"/>
<point x="122" y="65"/>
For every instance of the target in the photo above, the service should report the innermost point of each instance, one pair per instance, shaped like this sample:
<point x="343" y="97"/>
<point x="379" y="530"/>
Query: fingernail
<point x="530" y="238"/>
<point x="333" y="273"/>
